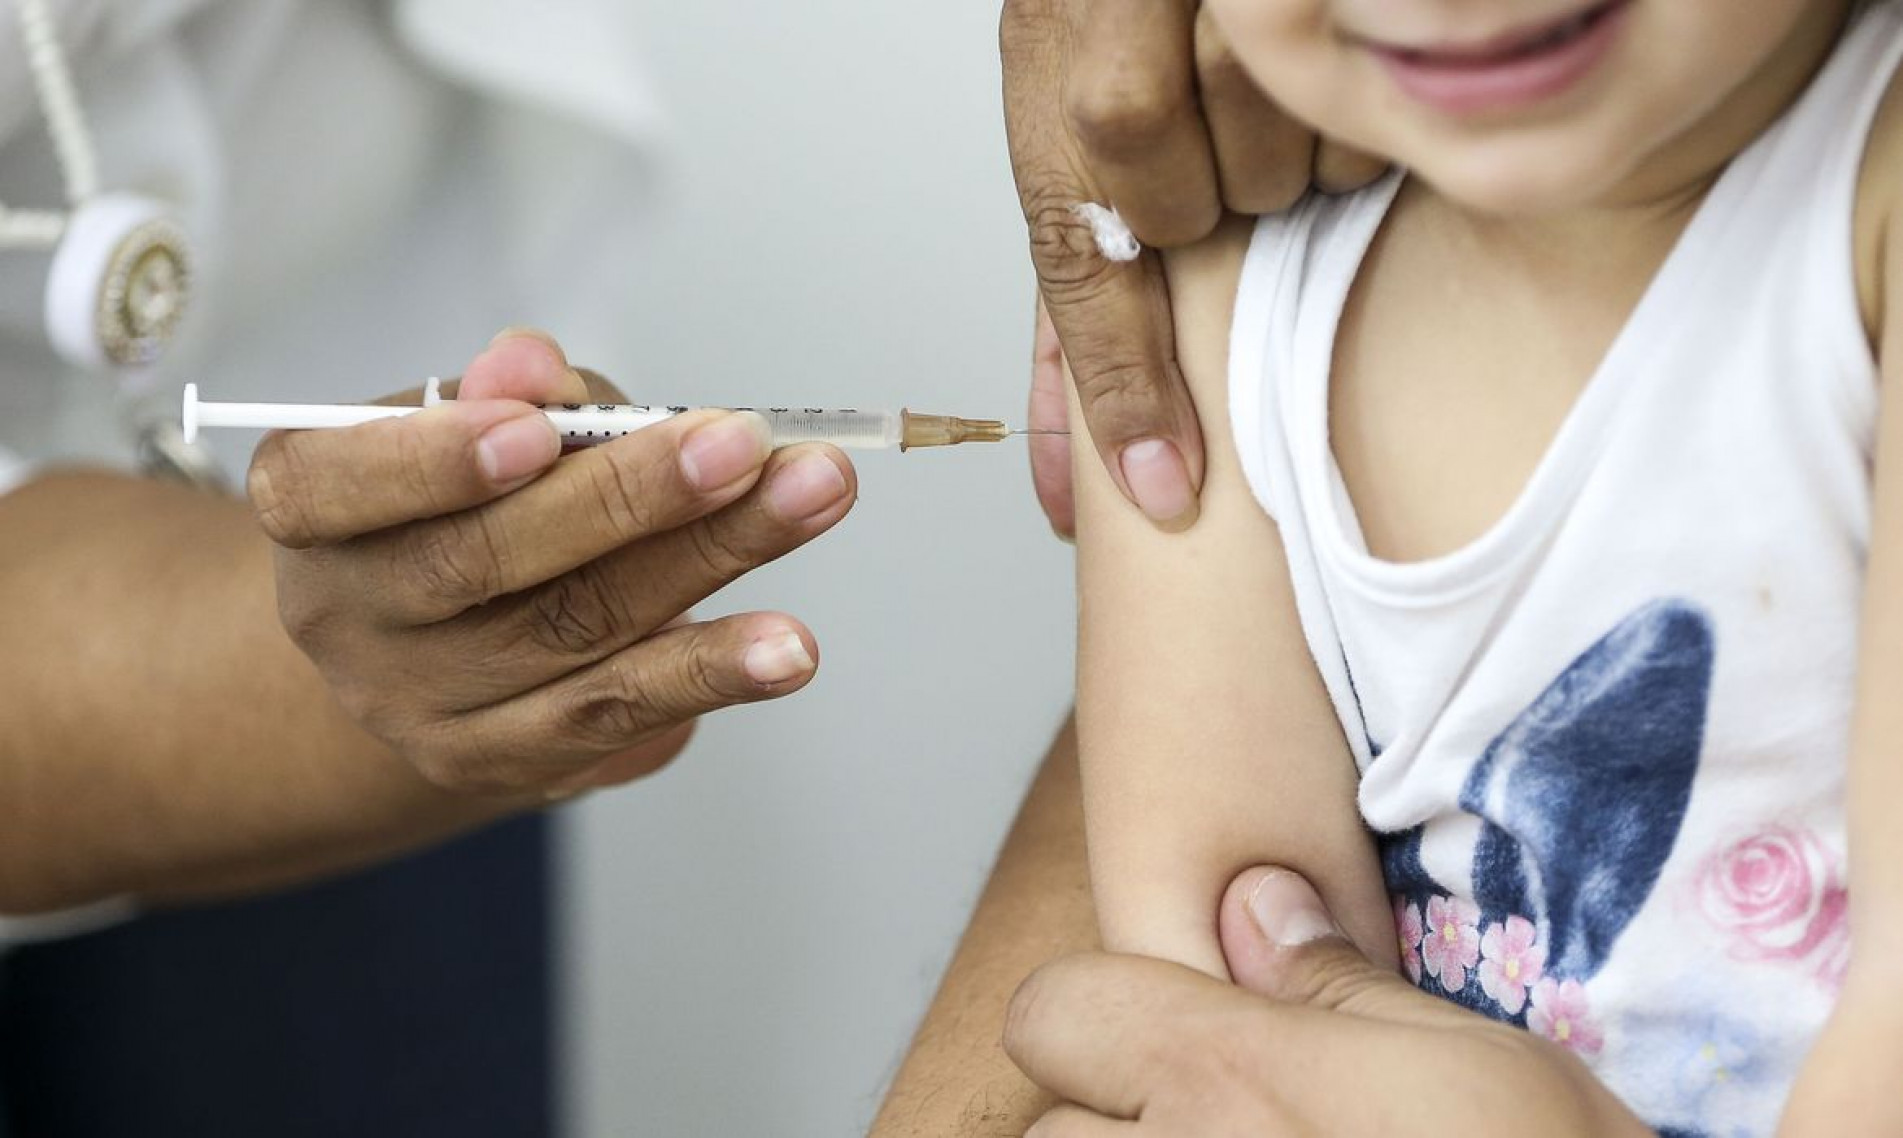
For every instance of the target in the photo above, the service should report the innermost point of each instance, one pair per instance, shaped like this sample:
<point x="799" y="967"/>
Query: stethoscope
<point x="121" y="274"/>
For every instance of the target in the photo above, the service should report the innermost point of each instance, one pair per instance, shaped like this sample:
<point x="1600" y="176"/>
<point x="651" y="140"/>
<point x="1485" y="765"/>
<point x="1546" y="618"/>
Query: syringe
<point x="585" y="424"/>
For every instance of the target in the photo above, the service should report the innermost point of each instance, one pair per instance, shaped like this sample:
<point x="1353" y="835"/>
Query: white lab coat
<point x="372" y="189"/>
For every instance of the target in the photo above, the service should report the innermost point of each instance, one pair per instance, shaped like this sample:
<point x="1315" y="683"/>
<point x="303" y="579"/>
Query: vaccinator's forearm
<point x="956" y="1079"/>
<point x="160" y="737"/>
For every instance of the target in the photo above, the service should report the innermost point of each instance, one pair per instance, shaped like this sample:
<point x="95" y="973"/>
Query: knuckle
<point x="455" y="561"/>
<point x="416" y="469"/>
<point x="721" y="551"/>
<point x="469" y="771"/>
<point x="1120" y="112"/>
<point x="578" y="613"/>
<point x="633" y="702"/>
<point x="1070" y="268"/>
<point x="622" y="495"/>
<point x="276" y="487"/>
<point x="606" y="719"/>
<point x="1116" y="388"/>
<point x="1336" y="980"/>
<point x="705" y="684"/>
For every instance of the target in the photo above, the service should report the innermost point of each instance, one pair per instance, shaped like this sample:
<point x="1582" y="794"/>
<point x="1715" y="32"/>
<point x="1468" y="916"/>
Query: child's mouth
<point x="1515" y="69"/>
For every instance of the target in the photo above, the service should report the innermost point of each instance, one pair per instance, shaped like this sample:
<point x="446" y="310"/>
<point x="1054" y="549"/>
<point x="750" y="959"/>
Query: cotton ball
<point x="1114" y="239"/>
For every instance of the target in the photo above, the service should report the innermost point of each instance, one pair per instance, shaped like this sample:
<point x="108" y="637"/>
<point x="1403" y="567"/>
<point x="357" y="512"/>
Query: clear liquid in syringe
<point x="588" y="424"/>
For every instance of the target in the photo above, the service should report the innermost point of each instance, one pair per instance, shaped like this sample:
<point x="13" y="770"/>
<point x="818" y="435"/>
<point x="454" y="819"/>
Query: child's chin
<point x="1524" y="185"/>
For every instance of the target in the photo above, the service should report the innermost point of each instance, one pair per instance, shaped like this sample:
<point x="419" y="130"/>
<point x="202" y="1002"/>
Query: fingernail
<point x="513" y="450"/>
<point x="515" y="330"/>
<point x="716" y="453"/>
<point x="777" y="659"/>
<point x="806" y="486"/>
<point x="512" y="362"/>
<point x="1153" y="469"/>
<point x="1288" y="911"/>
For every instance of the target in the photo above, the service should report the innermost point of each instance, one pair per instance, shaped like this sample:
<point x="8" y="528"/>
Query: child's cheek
<point x="1298" y="52"/>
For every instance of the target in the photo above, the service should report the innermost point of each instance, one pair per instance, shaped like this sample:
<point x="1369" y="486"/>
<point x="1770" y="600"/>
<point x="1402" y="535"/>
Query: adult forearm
<point x="957" y="1079"/>
<point x="162" y="737"/>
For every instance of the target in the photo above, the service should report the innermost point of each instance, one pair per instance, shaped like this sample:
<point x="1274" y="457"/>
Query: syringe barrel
<point x="580" y="424"/>
<point x="587" y="424"/>
<point x="842" y="427"/>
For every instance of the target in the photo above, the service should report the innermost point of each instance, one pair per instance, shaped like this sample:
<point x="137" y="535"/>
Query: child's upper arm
<point x="1208" y="742"/>
<point x="1876" y="755"/>
<point x="1846" y="1084"/>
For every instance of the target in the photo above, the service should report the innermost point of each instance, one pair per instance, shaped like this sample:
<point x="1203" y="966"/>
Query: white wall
<point x="751" y="936"/>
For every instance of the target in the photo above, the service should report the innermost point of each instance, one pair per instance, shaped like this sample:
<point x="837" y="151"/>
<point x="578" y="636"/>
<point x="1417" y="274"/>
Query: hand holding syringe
<point x="586" y="424"/>
<point x="515" y="623"/>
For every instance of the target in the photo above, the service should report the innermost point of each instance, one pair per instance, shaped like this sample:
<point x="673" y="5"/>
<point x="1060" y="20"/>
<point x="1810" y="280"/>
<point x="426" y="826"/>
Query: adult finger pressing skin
<point x="509" y="622"/>
<point x="1141" y="1046"/>
<point x="1265" y="159"/>
<point x="1113" y="318"/>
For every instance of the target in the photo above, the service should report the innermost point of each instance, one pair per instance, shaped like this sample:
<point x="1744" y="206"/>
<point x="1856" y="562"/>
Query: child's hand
<point x="506" y="622"/>
<point x="1314" y="1040"/>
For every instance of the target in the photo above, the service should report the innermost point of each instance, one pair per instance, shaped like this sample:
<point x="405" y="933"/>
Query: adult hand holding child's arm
<point x="1142" y="106"/>
<point x="1313" y="1038"/>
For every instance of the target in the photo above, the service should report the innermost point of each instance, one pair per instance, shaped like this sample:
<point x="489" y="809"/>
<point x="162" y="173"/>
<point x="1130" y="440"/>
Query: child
<point x="1550" y="500"/>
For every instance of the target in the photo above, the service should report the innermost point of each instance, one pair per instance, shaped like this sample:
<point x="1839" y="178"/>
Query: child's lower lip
<point x="1510" y="82"/>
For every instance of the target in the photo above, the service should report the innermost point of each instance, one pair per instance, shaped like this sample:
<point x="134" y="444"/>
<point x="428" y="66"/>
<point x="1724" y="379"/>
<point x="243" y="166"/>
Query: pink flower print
<point x="1511" y="962"/>
<point x="1452" y="943"/>
<point x="1561" y="1014"/>
<point x="1779" y="896"/>
<point x="1407" y="923"/>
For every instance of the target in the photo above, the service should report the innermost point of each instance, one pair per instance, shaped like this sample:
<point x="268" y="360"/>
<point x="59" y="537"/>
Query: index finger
<point x="321" y="487"/>
<point x="324" y="486"/>
<point x="1131" y="101"/>
<point x="1095" y="1028"/>
<point x="1113" y="318"/>
<point x="1132" y="1037"/>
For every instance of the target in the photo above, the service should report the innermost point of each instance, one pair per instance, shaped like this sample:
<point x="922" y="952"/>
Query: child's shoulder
<point x="1879" y="247"/>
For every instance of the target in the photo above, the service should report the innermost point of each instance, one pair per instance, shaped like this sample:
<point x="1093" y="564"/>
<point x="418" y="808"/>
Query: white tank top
<point x="1605" y="743"/>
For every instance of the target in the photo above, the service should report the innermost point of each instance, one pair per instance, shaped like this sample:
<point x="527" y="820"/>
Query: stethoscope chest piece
<point x="119" y="285"/>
